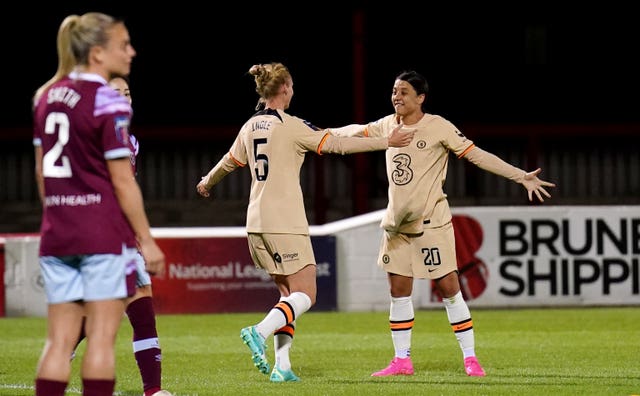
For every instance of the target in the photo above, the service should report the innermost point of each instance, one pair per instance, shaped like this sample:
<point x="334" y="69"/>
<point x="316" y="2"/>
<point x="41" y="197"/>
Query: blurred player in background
<point x="93" y="214"/>
<point x="146" y="346"/>
<point x="273" y="144"/>
<point x="418" y="237"/>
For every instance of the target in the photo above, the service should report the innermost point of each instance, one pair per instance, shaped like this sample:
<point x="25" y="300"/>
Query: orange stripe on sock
<point x="287" y="329"/>
<point x="399" y="325"/>
<point x="462" y="326"/>
<point x="287" y="311"/>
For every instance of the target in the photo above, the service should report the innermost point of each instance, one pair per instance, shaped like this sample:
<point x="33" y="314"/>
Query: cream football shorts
<point x="281" y="254"/>
<point x="430" y="255"/>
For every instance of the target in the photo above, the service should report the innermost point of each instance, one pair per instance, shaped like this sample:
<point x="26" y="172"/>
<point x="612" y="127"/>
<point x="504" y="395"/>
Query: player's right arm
<point x="349" y="130"/>
<point x="399" y="137"/>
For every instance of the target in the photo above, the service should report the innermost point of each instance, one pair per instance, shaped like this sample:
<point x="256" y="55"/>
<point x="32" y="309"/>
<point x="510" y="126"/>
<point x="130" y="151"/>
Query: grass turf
<point x="564" y="351"/>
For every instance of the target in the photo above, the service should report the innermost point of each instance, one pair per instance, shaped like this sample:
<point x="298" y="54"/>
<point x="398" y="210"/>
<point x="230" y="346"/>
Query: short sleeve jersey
<point x="81" y="123"/>
<point x="417" y="172"/>
<point x="273" y="144"/>
<point x="134" y="146"/>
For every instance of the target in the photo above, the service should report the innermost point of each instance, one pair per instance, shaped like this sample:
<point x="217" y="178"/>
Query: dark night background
<point x="543" y="84"/>
<point x="526" y="63"/>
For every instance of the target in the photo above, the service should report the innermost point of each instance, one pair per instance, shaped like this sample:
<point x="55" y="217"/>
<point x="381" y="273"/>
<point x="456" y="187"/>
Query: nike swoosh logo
<point x="431" y="270"/>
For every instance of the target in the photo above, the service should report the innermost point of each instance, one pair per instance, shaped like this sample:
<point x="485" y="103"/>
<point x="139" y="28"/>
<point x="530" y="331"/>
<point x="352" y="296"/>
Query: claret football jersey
<point x="81" y="123"/>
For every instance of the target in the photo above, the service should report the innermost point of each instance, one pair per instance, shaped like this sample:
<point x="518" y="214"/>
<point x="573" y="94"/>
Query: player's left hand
<point x="154" y="258"/>
<point x="535" y="185"/>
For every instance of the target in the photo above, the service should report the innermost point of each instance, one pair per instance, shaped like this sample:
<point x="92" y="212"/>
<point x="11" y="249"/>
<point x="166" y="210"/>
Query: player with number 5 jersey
<point x="273" y="144"/>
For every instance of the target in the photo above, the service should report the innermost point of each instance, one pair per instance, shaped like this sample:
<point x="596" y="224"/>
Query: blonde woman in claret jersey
<point x="84" y="176"/>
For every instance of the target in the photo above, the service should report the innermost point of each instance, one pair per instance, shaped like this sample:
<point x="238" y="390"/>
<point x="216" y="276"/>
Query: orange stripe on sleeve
<point x="365" y="133"/>
<point x="324" y="139"/>
<point x="466" y="151"/>
<point x="240" y="164"/>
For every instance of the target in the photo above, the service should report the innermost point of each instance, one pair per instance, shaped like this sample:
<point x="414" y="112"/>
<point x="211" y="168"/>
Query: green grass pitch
<point x="560" y="351"/>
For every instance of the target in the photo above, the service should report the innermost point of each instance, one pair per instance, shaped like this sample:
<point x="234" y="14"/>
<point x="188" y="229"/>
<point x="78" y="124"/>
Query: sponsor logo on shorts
<point x="290" y="256"/>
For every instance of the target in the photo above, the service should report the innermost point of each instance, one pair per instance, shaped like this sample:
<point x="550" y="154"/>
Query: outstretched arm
<point x="225" y="166"/>
<point x="399" y="137"/>
<point x="349" y="130"/>
<point x="494" y="164"/>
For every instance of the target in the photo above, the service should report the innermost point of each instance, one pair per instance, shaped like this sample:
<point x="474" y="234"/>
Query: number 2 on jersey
<point x="49" y="159"/>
